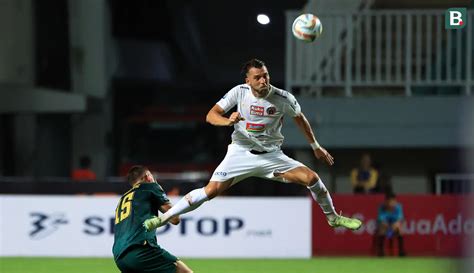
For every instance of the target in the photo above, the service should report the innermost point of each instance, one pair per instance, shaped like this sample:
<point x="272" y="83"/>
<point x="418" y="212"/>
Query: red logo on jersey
<point x="254" y="127"/>
<point x="256" y="110"/>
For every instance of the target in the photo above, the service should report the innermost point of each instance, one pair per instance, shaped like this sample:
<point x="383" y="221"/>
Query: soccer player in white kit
<point x="255" y="148"/>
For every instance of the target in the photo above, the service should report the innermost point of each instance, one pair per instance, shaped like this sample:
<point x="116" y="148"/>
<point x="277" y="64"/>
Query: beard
<point x="262" y="91"/>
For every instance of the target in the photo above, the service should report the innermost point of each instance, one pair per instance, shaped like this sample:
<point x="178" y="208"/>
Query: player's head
<point x="390" y="200"/>
<point x="257" y="76"/>
<point x="139" y="174"/>
<point x="365" y="161"/>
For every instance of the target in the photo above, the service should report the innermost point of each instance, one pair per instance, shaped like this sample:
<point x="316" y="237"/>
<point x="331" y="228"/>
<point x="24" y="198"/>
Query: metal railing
<point x="382" y="48"/>
<point x="454" y="183"/>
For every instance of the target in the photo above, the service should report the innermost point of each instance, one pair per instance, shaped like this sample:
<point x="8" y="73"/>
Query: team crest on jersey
<point x="271" y="110"/>
<point x="254" y="127"/>
<point x="256" y="110"/>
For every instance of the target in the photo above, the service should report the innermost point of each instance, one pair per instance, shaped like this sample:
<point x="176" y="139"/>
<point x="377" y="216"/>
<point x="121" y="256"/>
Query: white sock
<point x="321" y="195"/>
<point x="189" y="202"/>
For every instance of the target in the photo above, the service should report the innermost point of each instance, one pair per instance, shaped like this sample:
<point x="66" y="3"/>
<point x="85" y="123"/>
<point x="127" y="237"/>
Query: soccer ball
<point x="307" y="27"/>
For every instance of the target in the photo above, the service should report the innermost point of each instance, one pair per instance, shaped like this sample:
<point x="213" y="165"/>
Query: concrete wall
<point x="92" y="51"/>
<point x="410" y="170"/>
<point x="401" y="184"/>
<point x="17" y="44"/>
<point x="90" y="40"/>
<point x="89" y="32"/>
<point x="384" y="122"/>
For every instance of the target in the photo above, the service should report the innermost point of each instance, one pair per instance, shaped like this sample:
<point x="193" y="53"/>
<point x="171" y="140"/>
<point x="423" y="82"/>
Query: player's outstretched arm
<point x="318" y="150"/>
<point x="216" y="117"/>
<point x="164" y="208"/>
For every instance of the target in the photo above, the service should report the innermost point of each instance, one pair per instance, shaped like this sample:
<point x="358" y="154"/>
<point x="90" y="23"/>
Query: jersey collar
<point x="270" y="91"/>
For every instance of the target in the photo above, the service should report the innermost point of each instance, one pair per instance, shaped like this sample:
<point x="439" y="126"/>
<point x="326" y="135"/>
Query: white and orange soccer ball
<point x="307" y="27"/>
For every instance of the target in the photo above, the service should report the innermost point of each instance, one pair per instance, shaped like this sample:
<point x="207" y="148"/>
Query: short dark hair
<point x="390" y="195"/>
<point x="136" y="172"/>
<point x="251" y="63"/>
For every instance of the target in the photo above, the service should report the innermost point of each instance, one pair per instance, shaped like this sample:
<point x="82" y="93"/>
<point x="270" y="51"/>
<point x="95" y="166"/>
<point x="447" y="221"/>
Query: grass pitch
<point x="323" y="265"/>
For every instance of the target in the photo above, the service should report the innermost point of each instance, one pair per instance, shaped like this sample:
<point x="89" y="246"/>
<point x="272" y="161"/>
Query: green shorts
<point x="146" y="259"/>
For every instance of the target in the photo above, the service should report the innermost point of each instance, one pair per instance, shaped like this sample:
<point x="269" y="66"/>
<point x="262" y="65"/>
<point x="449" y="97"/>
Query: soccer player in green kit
<point x="135" y="249"/>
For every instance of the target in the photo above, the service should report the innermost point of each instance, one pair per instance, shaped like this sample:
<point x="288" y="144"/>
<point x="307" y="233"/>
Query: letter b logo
<point x="455" y="18"/>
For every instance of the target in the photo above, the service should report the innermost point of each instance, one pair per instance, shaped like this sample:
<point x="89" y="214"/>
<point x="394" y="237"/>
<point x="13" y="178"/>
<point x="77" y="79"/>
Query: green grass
<point x="323" y="265"/>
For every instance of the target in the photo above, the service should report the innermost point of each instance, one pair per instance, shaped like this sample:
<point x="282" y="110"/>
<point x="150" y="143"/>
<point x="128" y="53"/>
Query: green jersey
<point x="136" y="205"/>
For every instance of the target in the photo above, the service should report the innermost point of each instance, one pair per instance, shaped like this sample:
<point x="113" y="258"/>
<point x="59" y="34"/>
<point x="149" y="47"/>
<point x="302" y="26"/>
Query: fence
<point x="408" y="49"/>
<point x="454" y="183"/>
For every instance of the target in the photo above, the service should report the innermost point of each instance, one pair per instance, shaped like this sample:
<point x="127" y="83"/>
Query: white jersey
<point x="261" y="129"/>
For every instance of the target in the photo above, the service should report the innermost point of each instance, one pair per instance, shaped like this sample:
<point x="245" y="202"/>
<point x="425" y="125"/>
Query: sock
<point x="380" y="245"/>
<point x="189" y="202"/>
<point x="401" y="247"/>
<point x="321" y="195"/>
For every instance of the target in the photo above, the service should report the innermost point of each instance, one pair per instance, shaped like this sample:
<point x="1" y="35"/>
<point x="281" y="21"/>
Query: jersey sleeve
<point x="381" y="215"/>
<point x="229" y="100"/>
<point x="292" y="108"/>
<point x="399" y="213"/>
<point x="158" y="194"/>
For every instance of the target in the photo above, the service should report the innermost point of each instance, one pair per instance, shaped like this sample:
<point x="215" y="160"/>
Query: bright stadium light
<point x="263" y="19"/>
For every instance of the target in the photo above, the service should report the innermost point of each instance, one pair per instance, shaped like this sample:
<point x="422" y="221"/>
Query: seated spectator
<point x="84" y="172"/>
<point x="389" y="224"/>
<point x="364" y="178"/>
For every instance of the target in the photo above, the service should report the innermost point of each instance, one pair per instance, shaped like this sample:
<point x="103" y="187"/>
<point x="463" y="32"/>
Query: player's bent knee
<point x="397" y="230"/>
<point x="311" y="178"/>
<point x="382" y="229"/>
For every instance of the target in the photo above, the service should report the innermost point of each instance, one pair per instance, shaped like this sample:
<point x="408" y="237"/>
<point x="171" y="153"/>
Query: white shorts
<point x="239" y="164"/>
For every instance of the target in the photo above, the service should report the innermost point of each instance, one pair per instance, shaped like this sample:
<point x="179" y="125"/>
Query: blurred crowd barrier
<point x="83" y="226"/>
<point x="283" y="227"/>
